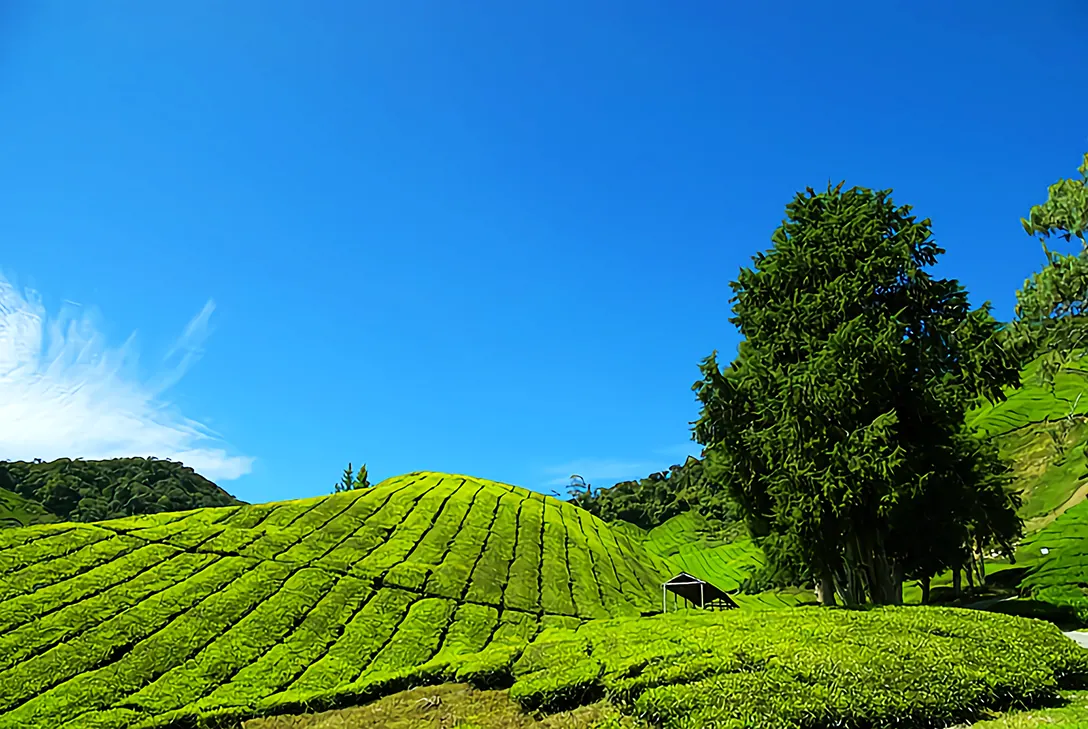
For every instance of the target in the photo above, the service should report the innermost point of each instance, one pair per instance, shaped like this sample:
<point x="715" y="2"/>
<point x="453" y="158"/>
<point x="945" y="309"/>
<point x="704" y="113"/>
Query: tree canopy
<point x="839" y="427"/>
<point x="1052" y="304"/>
<point x="78" y="490"/>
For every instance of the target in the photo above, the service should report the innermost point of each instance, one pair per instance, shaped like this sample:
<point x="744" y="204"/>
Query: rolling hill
<point x="87" y="491"/>
<point x="146" y="620"/>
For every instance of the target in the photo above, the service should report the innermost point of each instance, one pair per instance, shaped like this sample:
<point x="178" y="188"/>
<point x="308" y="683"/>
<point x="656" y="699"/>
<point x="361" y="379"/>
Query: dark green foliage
<point x="346" y="481"/>
<point x="1051" y="307"/>
<point x="362" y="480"/>
<point x="17" y="511"/>
<point x="839" y="428"/>
<point x="85" y="491"/>
<point x="651" y="501"/>
<point x="1065" y="212"/>
<point x="349" y="480"/>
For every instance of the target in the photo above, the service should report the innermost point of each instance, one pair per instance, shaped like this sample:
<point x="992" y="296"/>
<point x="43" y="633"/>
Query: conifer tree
<point x="346" y="480"/>
<point x="362" y="481"/>
<point x="839" y="427"/>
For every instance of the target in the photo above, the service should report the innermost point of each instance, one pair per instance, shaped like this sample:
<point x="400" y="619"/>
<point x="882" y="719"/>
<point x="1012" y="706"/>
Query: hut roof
<point x="699" y="592"/>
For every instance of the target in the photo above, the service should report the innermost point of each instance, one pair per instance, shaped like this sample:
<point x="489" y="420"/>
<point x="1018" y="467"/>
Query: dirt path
<point x="1078" y="496"/>
<point x="1080" y="637"/>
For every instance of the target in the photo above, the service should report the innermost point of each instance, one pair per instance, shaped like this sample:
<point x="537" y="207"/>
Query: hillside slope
<point x="1049" y="465"/>
<point x="16" y="511"/>
<point x="689" y="544"/>
<point x="1057" y="561"/>
<point x="124" y="623"/>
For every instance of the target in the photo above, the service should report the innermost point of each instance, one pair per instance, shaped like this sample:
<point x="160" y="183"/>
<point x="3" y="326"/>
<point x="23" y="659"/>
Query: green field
<point x="1033" y="403"/>
<point x="215" y="616"/>
<point x="212" y="616"/>
<point x="123" y="623"/>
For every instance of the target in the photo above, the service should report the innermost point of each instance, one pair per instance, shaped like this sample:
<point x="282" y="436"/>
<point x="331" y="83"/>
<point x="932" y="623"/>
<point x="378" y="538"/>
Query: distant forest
<point x="84" y="491"/>
<point x="651" y="501"/>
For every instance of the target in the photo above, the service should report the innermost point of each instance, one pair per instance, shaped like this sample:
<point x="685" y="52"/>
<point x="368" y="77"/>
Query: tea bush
<point x="808" y="667"/>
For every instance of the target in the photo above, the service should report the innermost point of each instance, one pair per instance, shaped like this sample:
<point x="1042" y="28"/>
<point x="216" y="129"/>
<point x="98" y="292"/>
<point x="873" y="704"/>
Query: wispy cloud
<point x="187" y="349"/>
<point x="65" y="393"/>
<point x="600" y="471"/>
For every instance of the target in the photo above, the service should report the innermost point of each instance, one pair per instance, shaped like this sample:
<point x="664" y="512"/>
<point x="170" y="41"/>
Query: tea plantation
<point x="1060" y="576"/>
<point x="687" y="542"/>
<point x="1028" y="427"/>
<point x="121" y="623"/>
<point x="213" y="616"/>
<point x="805" y="667"/>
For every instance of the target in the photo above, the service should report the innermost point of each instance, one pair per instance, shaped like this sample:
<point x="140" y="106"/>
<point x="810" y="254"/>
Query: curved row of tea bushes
<point x="808" y="667"/>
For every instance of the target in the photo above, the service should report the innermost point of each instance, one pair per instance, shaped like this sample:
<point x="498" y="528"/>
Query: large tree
<point x="843" y="413"/>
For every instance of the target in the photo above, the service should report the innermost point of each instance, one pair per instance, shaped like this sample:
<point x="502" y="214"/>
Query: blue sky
<point x="492" y="238"/>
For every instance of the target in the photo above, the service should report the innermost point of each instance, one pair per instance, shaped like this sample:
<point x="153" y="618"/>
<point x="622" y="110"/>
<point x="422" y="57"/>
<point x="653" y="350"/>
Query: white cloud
<point x="65" y="393"/>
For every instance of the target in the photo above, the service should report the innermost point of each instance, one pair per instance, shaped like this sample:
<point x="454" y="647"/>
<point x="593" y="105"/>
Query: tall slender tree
<point x="362" y="479"/>
<point x="346" y="480"/>
<point x="844" y="409"/>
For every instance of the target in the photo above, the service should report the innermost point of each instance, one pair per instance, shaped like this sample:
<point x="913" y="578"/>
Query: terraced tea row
<point x="1034" y="403"/>
<point x="1057" y="557"/>
<point x="807" y="667"/>
<point x="685" y="542"/>
<point x="124" y="623"/>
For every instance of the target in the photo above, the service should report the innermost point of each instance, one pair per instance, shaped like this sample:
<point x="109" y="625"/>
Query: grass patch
<point x="1033" y="403"/>
<point x="1060" y="577"/>
<point x="1071" y="713"/>
<point x="903" y="667"/>
<point x="450" y="706"/>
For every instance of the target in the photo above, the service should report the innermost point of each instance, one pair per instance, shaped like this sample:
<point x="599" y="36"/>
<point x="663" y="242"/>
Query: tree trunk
<point x="897" y="584"/>
<point x="880" y="573"/>
<point x="825" y="591"/>
<point x="924" y="582"/>
<point x="845" y="576"/>
<point x="957" y="582"/>
<point x="980" y="560"/>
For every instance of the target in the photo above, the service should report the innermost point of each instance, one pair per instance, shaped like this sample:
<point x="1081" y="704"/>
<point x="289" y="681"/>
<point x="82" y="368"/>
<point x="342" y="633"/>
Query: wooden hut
<point x="699" y="593"/>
